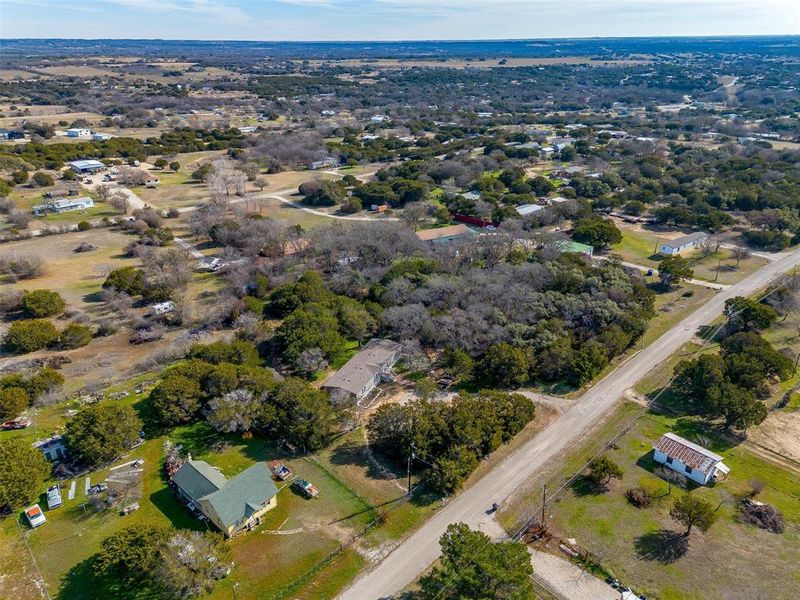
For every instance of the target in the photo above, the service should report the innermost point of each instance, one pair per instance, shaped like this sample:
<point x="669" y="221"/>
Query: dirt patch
<point x="780" y="433"/>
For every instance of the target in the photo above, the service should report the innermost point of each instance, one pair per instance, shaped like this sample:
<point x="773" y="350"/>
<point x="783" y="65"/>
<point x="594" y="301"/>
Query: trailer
<point x="53" y="497"/>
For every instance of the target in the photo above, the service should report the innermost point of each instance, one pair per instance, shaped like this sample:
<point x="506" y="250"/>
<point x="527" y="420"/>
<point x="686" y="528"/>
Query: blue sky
<point x="393" y="19"/>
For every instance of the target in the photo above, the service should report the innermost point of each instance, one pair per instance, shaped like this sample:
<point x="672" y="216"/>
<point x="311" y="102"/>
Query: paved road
<point x="403" y="565"/>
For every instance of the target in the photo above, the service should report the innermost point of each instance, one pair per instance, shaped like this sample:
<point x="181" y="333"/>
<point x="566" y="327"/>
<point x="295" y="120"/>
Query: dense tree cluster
<point x="18" y="392"/>
<point x="472" y="566"/>
<point x="225" y="383"/>
<point x="729" y="385"/>
<point x="317" y="319"/>
<point x="101" y="432"/>
<point x="162" y="562"/>
<point x="450" y="439"/>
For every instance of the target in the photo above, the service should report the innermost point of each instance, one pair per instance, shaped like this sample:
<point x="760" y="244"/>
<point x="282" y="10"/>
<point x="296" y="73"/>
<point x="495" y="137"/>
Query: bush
<point x="74" y="335"/>
<point x="127" y="280"/>
<point x="638" y="497"/>
<point x="29" y="336"/>
<point x="21" y="266"/>
<point x="762" y="515"/>
<point x="13" y="400"/>
<point x="43" y="179"/>
<point x="84" y="226"/>
<point x="42" y="303"/>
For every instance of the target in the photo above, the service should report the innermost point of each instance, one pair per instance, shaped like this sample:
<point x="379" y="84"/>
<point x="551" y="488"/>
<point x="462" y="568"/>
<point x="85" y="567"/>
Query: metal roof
<point x="686" y="239"/>
<point x="243" y="495"/>
<point x="451" y="231"/>
<point x="84" y="164"/>
<point x="690" y="454"/>
<point x="198" y="479"/>
<point x="362" y="368"/>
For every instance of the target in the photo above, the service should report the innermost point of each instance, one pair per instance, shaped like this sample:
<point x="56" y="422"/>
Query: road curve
<point x="406" y="562"/>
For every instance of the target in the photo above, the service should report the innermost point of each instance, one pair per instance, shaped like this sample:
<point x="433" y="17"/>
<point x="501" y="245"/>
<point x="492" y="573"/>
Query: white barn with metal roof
<point x="689" y="459"/>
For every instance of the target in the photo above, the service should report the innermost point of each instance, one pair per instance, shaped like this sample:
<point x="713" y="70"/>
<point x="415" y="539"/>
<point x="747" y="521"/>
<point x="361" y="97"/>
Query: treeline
<point x="448" y="439"/>
<point x="53" y="156"/>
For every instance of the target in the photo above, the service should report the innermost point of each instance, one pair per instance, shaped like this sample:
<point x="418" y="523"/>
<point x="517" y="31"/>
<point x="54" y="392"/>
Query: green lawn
<point x="307" y="562"/>
<point x="639" y="246"/>
<point x="632" y="544"/>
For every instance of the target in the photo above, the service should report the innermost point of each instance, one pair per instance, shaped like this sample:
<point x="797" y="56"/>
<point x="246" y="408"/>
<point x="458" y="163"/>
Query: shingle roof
<point x="198" y="479"/>
<point x="430" y="235"/>
<point x="243" y="495"/>
<point x="688" y="453"/>
<point x="363" y="367"/>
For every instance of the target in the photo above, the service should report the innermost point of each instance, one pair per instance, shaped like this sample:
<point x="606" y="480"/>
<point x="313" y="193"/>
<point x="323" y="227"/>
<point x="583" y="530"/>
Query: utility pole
<point x="655" y="250"/>
<point x="408" y="470"/>
<point x="719" y="264"/>
<point x="544" y="501"/>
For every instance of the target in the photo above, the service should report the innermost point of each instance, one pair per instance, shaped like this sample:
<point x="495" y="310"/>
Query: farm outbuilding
<point x="689" y="459"/>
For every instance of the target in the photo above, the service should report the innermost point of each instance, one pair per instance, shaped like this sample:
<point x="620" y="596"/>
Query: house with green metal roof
<point x="232" y="505"/>
<point x="573" y="247"/>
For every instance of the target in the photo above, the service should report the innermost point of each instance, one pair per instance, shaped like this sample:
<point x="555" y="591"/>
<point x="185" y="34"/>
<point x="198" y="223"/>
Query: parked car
<point x="137" y="463"/>
<point x="35" y="516"/>
<point x="307" y="488"/>
<point x="53" y="497"/>
<point x="129" y="509"/>
<point x="280" y="470"/>
<point x="16" y="423"/>
<point x="97" y="488"/>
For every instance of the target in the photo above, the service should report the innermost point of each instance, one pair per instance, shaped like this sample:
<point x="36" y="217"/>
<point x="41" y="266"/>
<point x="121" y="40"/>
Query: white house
<point x="63" y="205"/>
<point x="79" y="132"/>
<point x="248" y="129"/>
<point x="689" y="459"/>
<point x="527" y="209"/>
<point x="100" y="137"/>
<point x="683" y="243"/>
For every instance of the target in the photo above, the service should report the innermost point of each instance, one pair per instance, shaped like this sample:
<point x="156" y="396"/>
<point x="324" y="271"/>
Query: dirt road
<point x="403" y="565"/>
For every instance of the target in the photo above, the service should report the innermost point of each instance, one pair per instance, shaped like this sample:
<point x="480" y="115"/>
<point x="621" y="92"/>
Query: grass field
<point x="635" y="545"/>
<point x="638" y="245"/>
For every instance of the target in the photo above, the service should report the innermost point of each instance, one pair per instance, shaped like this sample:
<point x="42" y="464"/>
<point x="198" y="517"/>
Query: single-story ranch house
<point x="232" y="505"/>
<point x="360" y="375"/>
<point x="689" y="459"/>
<point x="681" y="244"/>
<point x="64" y="205"/>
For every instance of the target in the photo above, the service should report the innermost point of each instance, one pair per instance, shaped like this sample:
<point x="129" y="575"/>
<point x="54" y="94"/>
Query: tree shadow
<point x="180" y="517"/>
<point x="82" y="583"/>
<point x="583" y="486"/>
<point x="354" y="453"/>
<point x="662" y="545"/>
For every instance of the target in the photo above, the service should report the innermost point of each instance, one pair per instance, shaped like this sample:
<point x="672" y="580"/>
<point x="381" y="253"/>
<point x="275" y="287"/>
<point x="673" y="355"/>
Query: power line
<point x="707" y="337"/>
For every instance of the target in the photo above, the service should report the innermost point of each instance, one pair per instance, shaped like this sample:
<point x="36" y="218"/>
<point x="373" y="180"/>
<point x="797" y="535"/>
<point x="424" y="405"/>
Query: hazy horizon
<point x="394" y="20"/>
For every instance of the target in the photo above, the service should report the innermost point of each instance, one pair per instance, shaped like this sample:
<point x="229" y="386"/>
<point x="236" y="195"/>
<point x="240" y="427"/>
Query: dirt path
<point x="568" y="581"/>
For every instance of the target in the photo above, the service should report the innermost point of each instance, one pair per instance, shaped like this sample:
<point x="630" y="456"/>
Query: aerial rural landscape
<point x="501" y="319"/>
